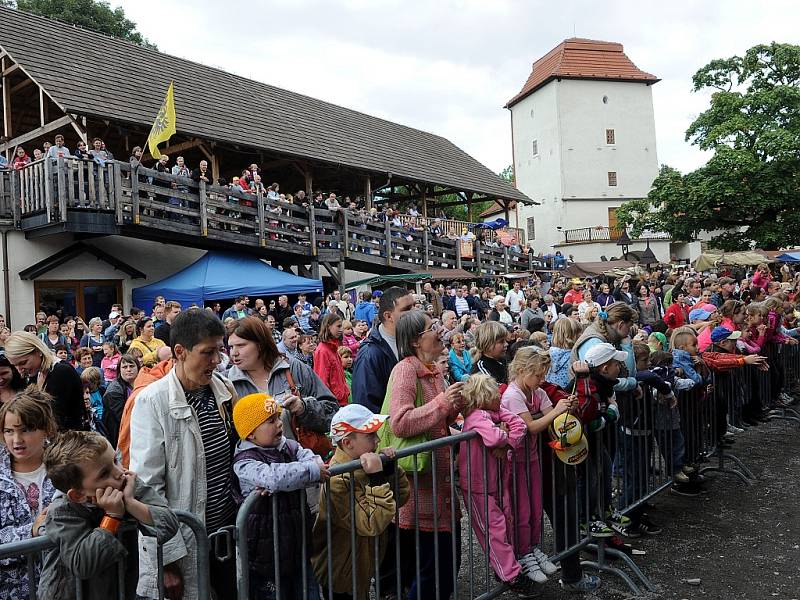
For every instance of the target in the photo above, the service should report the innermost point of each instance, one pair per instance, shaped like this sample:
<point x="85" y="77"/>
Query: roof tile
<point x="578" y="58"/>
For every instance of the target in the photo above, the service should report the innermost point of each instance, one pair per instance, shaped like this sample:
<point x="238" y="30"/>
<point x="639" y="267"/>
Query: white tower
<point x="584" y="142"/>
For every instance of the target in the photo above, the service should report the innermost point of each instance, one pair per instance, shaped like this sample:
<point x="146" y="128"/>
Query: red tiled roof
<point x="578" y="58"/>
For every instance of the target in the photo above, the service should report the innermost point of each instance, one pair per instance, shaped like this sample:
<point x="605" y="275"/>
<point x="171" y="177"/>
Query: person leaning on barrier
<point x="354" y="431"/>
<point x="265" y="460"/>
<point x="181" y="444"/>
<point x="98" y="496"/>
<point x="419" y="347"/>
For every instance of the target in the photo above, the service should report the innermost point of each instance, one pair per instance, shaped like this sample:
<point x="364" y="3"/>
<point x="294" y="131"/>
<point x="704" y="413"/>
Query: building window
<point x="531" y="229"/>
<point x="532" y="113"/>
<point x="535" y="148"/>
<point x="611" y="138"/>
<point x="612" y="178"/>
<point x="605" y="99"/>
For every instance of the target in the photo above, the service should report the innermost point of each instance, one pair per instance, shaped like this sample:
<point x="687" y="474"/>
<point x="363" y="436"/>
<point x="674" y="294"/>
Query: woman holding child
<point x="416" y="375"/>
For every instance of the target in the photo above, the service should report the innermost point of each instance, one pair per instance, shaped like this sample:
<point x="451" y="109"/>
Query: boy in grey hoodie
<point x="96" y="496"/>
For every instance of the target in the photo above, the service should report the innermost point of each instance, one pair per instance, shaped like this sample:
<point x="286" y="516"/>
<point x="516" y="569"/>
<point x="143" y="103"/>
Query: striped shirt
<point x="220" y="507"/>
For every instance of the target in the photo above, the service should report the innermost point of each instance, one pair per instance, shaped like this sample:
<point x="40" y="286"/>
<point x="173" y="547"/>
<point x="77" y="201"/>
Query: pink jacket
<point x="432" y="418"/>
<point x="760" y="280"/>
<point x="485" y="422"/>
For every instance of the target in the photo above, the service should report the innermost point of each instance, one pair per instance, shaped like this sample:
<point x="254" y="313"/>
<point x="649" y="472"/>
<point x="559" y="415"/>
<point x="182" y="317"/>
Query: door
<point x="90" y="298"/>
<point x="614" y="230"/>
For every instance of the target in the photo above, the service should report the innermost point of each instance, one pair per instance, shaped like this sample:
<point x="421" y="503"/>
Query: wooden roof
<point x="578" y="58"/>
<point x="91" y="74"/>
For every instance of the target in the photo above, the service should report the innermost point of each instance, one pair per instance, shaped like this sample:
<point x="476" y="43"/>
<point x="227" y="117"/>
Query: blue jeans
<point x="671" y="442"/>
<point x="635" y="454"/>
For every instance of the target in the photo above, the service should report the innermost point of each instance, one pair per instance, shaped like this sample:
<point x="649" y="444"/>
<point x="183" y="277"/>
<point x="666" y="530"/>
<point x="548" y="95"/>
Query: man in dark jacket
<point x="377" y="355"/>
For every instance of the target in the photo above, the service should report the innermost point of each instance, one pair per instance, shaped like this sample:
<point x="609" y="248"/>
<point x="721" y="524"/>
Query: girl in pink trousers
<point x="499" y="431"/>
<point x="529" y="402"/>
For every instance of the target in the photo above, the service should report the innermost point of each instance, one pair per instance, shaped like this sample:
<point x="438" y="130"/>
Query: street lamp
<point x="624" y="241"/>
<point x="647" y="257"/>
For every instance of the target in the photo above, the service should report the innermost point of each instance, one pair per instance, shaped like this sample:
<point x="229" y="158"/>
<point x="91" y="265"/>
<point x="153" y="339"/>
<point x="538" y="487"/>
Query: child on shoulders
<point x="265" y="460"/>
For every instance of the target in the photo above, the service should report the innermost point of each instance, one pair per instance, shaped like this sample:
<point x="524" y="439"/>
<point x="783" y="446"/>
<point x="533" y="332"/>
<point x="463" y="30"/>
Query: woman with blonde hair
<point x="490" y="351"/>
<point x="34" y="360"/>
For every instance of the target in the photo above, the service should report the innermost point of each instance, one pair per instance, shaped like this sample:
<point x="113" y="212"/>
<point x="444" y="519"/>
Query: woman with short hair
<point x="34" y="361"/>
<point x="93" y="339"/>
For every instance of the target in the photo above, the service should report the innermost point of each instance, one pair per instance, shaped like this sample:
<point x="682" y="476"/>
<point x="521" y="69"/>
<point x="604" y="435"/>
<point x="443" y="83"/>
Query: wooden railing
<point x="49" y="192"/>
<point x="607" y="234"/>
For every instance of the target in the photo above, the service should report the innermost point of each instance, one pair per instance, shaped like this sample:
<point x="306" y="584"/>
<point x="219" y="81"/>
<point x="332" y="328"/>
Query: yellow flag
<point x="164" y="125"/>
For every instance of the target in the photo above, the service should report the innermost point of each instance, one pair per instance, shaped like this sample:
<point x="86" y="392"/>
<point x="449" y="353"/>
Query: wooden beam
<point x="193" y="143"/>
<point x="10" y="70"/>
<point x="6" y="108"/>
<point x="368" y="192"/>
<point x="38" y="132"/>
<point x="79" y="129"/>
<point x="206" y="152"/>
<point x="42" y="118"/>
<point x="22" y="84"/>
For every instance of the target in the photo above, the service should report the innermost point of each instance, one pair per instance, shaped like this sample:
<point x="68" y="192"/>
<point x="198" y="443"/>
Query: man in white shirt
<point x="460" y="303"/>
<point x="515" y="299"/>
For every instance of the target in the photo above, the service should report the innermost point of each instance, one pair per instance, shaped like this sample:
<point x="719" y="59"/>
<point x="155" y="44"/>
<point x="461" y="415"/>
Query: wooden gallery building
<point x="83" y="234"/>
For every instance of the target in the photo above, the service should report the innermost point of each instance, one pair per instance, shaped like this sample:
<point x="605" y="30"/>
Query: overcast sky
<point x="447" y="66"/>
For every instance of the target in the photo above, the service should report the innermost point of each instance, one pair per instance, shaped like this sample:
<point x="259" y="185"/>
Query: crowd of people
<point x="137" y="413"/>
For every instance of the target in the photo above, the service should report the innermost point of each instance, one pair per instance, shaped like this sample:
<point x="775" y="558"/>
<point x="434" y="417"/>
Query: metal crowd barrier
<point x="629" y="463"/>
<point x="32" y="549"/>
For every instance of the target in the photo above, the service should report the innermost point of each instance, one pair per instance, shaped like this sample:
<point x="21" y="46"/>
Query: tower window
<point x="612" y="178"/>
<point x="535" y="148"/>
<point x="531" y="229"/>
<point x="611" y="138"/>
<point x="605" y="99"/>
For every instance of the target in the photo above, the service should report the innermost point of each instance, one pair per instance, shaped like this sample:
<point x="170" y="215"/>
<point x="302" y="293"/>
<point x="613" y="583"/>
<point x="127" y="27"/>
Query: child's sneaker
<point x="587" y="583"/>
<point x="547" y="567"/>
<point x="617" y="518"/>
<point x="598" y="529"/>
<point x="648" y="527"/>
<point x="531" y="569"/>
<point x="523" y="587"/>
<point x="681" y="477"/>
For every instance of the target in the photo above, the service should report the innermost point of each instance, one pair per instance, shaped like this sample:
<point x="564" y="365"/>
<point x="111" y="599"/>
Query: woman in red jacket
<point x="677" y="313"/>
<point x="327" y="364"/>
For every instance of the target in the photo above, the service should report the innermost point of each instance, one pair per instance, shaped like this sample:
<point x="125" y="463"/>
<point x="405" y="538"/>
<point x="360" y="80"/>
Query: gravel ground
<point x="740" y="542"/>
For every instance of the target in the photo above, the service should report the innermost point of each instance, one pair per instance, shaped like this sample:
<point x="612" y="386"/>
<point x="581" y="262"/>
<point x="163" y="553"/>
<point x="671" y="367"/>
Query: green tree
<point x="748" y="191"/>
<point x="90" y="14"/>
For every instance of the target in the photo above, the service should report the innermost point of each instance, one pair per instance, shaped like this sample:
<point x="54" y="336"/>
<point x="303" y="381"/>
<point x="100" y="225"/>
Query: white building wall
<point x="569" y="176"/>
<point x="592" y="252"/>
<point x="155" y="259"/>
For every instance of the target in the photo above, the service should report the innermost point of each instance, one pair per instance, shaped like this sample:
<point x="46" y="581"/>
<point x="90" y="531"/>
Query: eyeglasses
<point x="435" y="327"/>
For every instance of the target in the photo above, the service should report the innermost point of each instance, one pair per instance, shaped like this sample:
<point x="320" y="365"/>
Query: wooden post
<point x="478" y="257"/>
<point x="16" y="196"/>
<point x="134" y="193"/>
<point x="42" y="116"/>
<point x="458" y="253"/>
<point x="388" y="237"/>
<point x="48" y="188"/>
<point x="215" y="166"/>
<point x="118" y="193"/>
<point x="262" y="238"/>
<point x="505" y="258"/>
<point x="469" y="206"/>
<point x="203" y="208"/>
<point x="426" y="248"/>
<point x="345" y="233"/>
<point x="6" y="103"/>
<point x="309" y="184"/>
<point x="314" y="268"/>
<point x="368" y="192"/>
<point x="340" y="271"/>
<point x="312" y="234"/>
<point x="530" y="260"/>
<point x="62" y="192"/>
<point x="425" y="201"/>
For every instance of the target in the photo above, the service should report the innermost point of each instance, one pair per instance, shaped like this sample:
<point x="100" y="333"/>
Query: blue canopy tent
<point x="221" y="275"/>
<point x="788" y="257"/>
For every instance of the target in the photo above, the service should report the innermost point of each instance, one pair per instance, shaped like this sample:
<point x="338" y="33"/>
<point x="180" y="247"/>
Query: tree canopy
<point x="90" y="14"/>
<point x="747" y="194"/>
